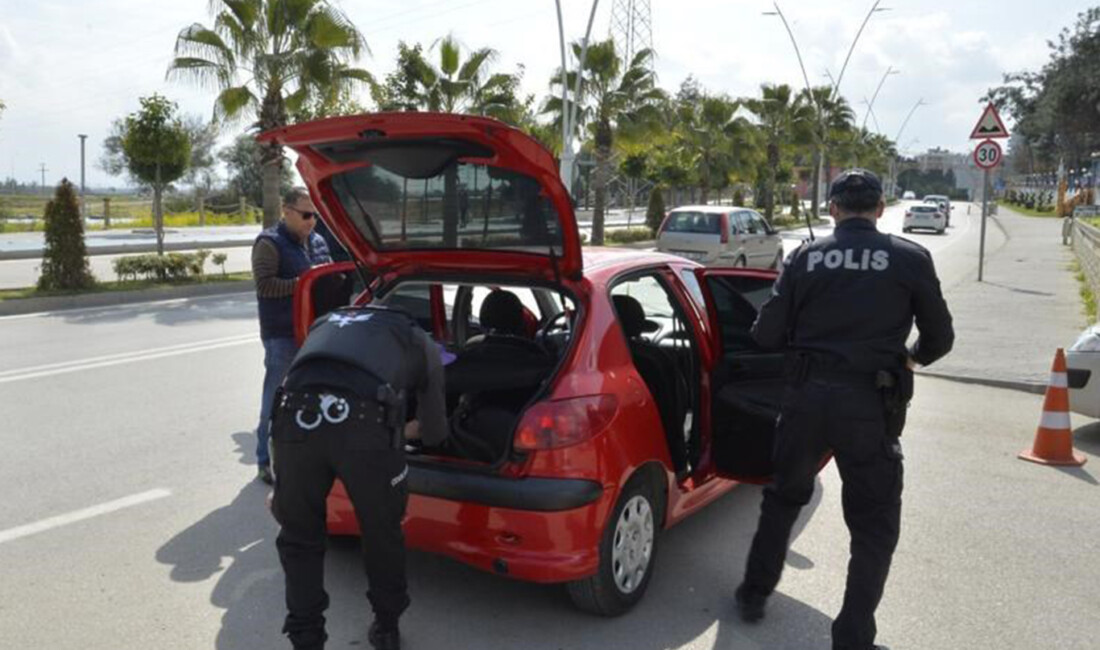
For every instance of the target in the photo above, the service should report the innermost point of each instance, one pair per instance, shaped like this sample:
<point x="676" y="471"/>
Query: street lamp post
<point x="819" y="137"/>
<point x="83" y="204"/>
<point x="569" y="111"/>
<point x="871" y="105"/>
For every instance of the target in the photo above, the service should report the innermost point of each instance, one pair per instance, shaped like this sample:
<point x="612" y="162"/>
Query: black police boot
<point x="750" y="603"/>
<point x="384" y="635"/>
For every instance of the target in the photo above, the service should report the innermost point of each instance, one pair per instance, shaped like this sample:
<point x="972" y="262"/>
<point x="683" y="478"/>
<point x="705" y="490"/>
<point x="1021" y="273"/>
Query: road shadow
<point x="1029" y="292"/>
<point x="1087" y="438"/>
<point x="699" y="564"/>
<point x="207" y="308"/>
<point x="246" y="447"/>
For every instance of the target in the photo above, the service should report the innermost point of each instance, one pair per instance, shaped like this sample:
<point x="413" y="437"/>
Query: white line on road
<point x="129" y="305"/>
<point x="47" y="370"/>
<point x="12" y="534"/>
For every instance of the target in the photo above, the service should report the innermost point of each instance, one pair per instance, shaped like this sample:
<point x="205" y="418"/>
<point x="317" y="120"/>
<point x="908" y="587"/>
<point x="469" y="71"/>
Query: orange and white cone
<point x="1054" y="438"/>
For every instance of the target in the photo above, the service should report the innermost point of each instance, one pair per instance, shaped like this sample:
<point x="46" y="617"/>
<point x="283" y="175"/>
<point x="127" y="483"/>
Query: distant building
<point x="968" y="176"/>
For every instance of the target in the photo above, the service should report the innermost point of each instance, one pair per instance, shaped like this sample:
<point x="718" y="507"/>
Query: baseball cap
<point x="854" y="179"/>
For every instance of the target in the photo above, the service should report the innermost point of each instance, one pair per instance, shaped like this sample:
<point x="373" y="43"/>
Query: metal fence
<point x="1086" y="246"/>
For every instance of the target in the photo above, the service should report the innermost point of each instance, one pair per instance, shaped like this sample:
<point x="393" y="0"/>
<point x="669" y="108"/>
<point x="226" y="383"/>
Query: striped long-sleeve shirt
<point x="265" y="272"/>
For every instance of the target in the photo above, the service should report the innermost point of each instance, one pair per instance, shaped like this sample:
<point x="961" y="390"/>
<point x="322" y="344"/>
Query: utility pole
<point x="43" y="170"/>
<point x="83" y="204"/>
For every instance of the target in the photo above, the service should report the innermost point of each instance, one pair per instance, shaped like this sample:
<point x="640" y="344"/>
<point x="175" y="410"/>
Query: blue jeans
<point x="278" y="353"/>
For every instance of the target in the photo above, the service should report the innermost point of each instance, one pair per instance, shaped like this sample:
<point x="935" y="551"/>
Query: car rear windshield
<point x="702" y="223"/>
<point x="400" y="202"/>
<point x="925" y="208"/>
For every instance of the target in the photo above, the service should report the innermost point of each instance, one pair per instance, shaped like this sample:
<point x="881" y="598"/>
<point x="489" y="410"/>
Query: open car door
<point x="321" y="290"/>
<point x="746" y="382"/>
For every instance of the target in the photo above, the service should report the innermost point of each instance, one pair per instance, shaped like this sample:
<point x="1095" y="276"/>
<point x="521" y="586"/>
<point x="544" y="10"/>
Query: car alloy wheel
<point x="633" y="544"/>
<point x="628" y="550"/>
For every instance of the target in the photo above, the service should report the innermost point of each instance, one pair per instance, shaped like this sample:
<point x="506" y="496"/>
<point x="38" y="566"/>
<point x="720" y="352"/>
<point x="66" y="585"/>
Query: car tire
<point x="628" y="550"/>
<point x="905" y="230"/>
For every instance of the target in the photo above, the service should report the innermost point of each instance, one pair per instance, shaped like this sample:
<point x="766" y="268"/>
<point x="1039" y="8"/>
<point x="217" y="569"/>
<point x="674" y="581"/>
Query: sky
<point x="73" y="66"/>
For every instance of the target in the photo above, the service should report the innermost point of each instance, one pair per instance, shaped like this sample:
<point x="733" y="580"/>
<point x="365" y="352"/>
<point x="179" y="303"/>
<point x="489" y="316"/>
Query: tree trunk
<point x="272" y="172"/>
<point x="769" y="181"/>
<point x="272" y="116"/>
<point x="603" y="157"/>
<point x="158" y="214"/>
<point x="450" y="207"/>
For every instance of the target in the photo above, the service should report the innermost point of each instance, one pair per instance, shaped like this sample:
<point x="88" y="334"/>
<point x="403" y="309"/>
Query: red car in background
<point x="638" y="399"/>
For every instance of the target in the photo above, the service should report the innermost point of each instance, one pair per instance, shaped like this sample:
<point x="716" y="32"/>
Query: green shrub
<point x="173" y="267"/>
<point x="629" y="235"/>
<point x="655" y="211"/>
<point x="65" y="258"/>
<point x="219" y="259"/>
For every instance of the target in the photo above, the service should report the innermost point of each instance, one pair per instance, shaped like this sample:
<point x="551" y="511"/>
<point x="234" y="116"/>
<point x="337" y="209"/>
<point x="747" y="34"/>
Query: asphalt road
<point x="131" y="520"/>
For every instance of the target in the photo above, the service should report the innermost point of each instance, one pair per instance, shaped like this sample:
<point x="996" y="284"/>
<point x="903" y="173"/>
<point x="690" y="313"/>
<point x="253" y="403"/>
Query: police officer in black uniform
<point x="843" y="308"/>
<point x="342" y="413"/>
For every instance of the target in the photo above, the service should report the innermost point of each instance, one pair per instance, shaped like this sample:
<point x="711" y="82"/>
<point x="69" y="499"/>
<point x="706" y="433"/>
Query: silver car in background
<point x="721" y="236"/>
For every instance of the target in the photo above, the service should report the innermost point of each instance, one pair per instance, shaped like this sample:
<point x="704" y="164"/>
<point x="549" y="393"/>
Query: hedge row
<point x="173" y="266"/>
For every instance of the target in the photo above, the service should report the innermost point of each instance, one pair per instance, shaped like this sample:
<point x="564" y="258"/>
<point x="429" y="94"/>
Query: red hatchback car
<point x="598" y="397"/>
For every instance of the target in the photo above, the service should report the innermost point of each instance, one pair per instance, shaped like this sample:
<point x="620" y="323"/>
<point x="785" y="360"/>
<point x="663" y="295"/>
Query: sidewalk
<point x="1008" y="327"/>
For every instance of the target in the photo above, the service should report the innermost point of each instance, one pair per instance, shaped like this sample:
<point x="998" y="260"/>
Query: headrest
<point x="502" y="313"/>
<point x="631" y="315"/>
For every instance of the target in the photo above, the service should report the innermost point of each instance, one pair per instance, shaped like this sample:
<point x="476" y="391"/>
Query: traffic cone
<point x="1054" y="438"/>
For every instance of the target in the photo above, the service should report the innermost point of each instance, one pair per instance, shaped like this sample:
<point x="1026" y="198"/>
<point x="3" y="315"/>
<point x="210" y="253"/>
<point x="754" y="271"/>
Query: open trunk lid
<point x="426" y="192"/>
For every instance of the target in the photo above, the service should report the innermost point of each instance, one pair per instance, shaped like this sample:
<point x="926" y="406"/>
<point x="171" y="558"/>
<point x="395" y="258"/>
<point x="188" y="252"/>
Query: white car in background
<point x="943" y="202"/>
<point x="924" y="216"/>
<point x="1083" y="366"/>
<point x="721" y="236"/>
<point x="909" y="196"/>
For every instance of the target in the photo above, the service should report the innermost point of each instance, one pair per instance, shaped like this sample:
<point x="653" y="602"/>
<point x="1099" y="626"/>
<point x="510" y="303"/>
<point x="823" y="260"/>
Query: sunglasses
<point x="307" y="215"/>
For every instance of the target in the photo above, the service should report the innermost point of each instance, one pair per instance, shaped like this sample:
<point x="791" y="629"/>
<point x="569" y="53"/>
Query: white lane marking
<point x="50" y="523"/>
<point x="156" y="303"/>
<point x="130" y="357"/>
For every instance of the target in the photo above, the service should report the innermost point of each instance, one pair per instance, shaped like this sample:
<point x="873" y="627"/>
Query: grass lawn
<point x="1027" y="211"/>
<point x="110" y="287"/>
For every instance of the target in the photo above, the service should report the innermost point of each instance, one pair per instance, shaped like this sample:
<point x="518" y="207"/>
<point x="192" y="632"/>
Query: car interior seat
<point x="660" y="373"/>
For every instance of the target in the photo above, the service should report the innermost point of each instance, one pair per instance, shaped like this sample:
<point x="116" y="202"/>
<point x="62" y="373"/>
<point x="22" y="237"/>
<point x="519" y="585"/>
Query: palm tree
<point x="834" y="124"/>
<point x="454" y="85"/>
<point x="724" y="141"/>
<point x="613" y="101"/>
<point x="270" y="58"/>
<point x="786" y="119"/>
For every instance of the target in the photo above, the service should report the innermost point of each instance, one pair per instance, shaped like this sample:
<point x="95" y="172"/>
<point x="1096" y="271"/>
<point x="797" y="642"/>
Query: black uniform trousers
<point x="374" y="474"/>
<point x="849" y="419"/>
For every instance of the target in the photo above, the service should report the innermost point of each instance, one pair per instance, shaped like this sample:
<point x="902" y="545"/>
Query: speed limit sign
<point x="988" y="154"/>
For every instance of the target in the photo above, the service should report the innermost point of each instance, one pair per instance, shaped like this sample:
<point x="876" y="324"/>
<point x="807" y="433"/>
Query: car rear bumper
<point x="535" y="529"/>
<point x="1083" y="373"/>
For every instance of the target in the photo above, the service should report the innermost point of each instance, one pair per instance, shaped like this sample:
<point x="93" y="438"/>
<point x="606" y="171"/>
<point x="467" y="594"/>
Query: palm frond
<point x="472" y="68"/>
<point x="232" y="102"/>
<point x="209" y="75"/>
<point x="197" y="41"/>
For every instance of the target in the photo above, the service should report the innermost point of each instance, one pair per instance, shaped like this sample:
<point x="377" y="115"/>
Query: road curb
<point x="21" y="306"/>
<point x="135" y="249"/>
<point x="1007" y="384"/>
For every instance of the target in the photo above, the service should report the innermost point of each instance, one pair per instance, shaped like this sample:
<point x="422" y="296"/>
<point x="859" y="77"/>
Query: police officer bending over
<point x="843" y="308"/>
<point x="341" y="413"/>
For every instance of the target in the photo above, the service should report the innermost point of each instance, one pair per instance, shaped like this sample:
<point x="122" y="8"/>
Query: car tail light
<point x="725" y="228"/>
<point x="561" y="423"/>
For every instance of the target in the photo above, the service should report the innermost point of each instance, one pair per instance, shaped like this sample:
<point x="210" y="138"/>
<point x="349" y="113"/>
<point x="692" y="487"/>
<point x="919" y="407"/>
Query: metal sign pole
<point x="985" y="213"/>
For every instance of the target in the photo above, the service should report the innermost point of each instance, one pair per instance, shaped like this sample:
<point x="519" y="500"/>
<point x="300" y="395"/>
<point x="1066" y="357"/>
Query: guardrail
<point x="1086" y="246"/>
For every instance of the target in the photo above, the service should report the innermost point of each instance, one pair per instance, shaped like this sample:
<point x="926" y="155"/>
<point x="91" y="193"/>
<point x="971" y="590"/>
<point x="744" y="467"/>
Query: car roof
<point x="603" y="262"/>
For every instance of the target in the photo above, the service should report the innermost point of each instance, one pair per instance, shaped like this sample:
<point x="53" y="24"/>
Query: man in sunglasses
<point x="279" y="255"/>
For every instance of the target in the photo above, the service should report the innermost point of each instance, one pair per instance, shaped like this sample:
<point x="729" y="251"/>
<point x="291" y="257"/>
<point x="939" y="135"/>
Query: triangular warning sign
<point x="990" y="126"/>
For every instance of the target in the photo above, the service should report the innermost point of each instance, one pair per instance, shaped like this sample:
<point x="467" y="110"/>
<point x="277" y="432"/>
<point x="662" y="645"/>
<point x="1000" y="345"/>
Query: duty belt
<point x="312" y="409"/>
<point x="882" y="379"/>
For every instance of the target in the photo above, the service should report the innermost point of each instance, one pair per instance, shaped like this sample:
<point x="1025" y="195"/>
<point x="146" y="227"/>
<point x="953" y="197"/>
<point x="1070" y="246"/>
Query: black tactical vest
<point x="356" y="350"/>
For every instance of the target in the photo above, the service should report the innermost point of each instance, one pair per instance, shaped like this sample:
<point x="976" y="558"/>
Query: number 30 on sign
<point x="988" y="154"/>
